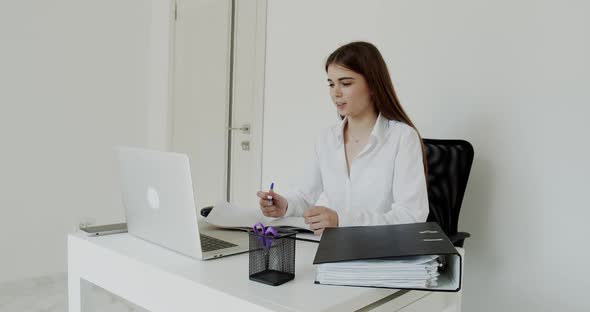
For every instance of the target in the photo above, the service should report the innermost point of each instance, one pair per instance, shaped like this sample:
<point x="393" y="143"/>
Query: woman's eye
<point x="331" y="85"/>
<point x="346" y="83"/>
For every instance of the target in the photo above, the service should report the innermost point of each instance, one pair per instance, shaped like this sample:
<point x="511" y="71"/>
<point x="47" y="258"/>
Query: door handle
<point x="244" y="128"/>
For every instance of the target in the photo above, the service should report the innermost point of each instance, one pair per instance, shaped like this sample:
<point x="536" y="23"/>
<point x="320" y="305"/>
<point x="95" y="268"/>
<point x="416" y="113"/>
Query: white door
<point x="218" y="84"/>
<point x="248" y="101"/>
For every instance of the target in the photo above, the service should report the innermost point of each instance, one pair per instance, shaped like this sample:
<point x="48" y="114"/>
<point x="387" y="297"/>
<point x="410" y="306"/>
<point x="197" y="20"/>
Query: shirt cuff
<point x="295" y="205"/>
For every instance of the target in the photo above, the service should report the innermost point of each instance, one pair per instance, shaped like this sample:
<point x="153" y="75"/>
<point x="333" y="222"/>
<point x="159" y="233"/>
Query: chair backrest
<point x="449" y="165"/>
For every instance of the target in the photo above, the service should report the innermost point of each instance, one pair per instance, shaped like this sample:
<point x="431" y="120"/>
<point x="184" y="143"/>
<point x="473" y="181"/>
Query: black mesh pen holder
<point x="272" y="259"/>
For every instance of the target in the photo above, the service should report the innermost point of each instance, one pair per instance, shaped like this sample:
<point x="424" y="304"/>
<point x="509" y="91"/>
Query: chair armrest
<point x="459" y="238"/>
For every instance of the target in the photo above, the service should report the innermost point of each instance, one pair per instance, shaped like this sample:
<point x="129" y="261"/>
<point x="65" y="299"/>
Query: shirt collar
<point x="379" y="129"/>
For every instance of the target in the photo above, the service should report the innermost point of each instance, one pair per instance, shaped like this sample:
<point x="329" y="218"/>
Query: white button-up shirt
<point x="386" y="185"/>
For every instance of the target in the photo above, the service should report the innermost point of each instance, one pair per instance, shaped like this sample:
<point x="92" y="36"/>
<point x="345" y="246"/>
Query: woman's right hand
<point x="275" y="207"/>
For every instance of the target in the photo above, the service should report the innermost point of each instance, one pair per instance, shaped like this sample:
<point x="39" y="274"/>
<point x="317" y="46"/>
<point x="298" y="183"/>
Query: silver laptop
<point x="159" y="203"/>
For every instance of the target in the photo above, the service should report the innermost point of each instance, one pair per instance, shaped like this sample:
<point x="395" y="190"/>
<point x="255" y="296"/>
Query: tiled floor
<point x="49" y="294"/>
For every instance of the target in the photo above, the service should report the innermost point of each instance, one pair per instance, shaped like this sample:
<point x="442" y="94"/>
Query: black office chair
<point x="449" y="165"/>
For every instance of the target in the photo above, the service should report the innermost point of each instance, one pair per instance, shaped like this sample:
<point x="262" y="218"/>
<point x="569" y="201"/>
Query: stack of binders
<point x="406" y="256"/>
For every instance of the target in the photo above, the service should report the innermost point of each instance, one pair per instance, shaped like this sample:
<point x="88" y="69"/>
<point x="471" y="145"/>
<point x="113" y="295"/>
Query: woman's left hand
<point x="319" y="218"/>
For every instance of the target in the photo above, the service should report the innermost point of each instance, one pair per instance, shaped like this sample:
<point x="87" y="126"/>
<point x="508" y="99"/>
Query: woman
<point x="371" y="165"/>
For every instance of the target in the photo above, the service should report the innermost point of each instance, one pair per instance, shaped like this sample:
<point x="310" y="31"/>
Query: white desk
<point x="162" y="280"/>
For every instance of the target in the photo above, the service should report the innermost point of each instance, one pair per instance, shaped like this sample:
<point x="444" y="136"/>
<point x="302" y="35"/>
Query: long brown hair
<point x="365" y="59"/>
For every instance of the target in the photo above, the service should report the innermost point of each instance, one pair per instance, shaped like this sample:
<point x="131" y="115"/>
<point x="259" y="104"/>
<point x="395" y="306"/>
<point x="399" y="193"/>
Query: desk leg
<point x="79" y="294"/>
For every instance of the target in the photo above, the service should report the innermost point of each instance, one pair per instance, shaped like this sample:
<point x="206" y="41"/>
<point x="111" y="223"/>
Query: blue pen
<point x="272" y="186"/>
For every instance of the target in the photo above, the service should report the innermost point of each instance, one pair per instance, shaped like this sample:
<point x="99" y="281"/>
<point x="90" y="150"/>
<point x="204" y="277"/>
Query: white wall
<point x="73" y="77"/>
<point x="511" y="77"/>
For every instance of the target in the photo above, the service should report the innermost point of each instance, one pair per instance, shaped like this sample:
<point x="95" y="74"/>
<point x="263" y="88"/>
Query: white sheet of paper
<point x="229" y="215"/>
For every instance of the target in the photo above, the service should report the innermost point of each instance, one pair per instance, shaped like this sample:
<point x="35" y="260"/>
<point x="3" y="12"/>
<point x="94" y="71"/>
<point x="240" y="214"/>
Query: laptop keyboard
<point x="209" y="243"/>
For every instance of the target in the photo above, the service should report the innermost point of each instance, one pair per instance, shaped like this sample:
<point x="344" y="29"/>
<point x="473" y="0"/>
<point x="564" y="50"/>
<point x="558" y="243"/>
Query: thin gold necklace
<point x="350" y="136"/>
